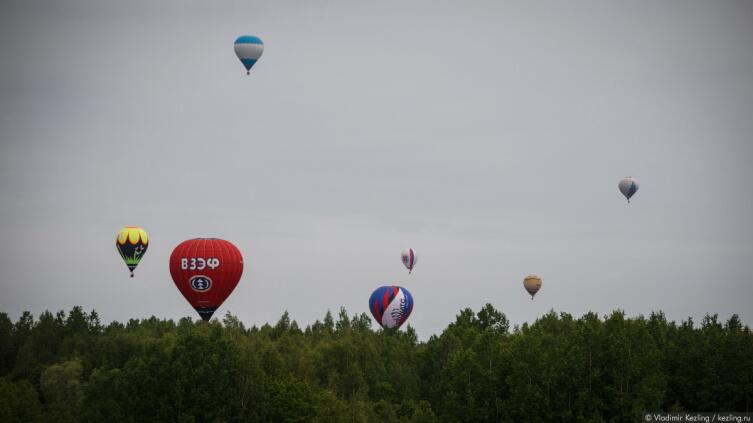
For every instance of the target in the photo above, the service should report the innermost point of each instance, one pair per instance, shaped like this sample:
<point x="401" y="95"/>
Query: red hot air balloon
<point x="206" y="270"/>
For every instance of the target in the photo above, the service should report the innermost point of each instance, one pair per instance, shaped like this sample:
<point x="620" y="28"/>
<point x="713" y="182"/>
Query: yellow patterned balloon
<point x="132" y="242"/>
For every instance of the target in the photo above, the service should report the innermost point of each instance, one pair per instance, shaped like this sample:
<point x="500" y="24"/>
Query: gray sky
<point x="488" y="136"/>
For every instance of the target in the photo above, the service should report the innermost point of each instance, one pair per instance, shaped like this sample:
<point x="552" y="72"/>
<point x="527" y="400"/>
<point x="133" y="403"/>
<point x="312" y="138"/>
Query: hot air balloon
<point x="628" y="187"/>
<point x="132" y="242"/>
<point x="409" y="258"/>
<point x="532" y="284"/>
<point x="391" y="305"/>
<point x="248" y="49"/>
<point x="206" y="270"/>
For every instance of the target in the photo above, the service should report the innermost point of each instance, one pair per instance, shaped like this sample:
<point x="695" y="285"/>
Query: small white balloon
<point x="409" y="258"/>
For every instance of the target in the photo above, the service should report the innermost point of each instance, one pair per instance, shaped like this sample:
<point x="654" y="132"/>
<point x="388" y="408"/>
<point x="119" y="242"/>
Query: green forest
<point x="68" y="367"/>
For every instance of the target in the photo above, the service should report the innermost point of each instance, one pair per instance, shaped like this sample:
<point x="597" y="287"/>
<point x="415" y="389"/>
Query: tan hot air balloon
<point x="532" y="284"/>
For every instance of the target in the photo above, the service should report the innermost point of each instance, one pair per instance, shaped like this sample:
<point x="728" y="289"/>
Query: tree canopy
<point x="68" y="367"/>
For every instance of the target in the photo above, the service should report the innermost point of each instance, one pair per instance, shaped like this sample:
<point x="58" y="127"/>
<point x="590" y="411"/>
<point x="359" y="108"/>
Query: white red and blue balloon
<point x="391" y="306"/>
<point x="409" y="258"/>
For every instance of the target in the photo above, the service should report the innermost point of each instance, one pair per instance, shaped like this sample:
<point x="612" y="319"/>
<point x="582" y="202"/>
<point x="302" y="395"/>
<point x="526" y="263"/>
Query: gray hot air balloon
<point x="628" y="187"/>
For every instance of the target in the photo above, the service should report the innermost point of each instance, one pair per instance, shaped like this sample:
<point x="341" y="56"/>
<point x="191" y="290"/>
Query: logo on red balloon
<point x="200" y="283"/>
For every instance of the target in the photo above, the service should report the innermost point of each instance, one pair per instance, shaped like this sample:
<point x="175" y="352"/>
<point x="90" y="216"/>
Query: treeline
<point x="71" y="368"/>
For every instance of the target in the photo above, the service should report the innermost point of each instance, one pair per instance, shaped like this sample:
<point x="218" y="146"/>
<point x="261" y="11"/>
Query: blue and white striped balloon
<point x="628" y="187"/>
<point x="249" y="49"/>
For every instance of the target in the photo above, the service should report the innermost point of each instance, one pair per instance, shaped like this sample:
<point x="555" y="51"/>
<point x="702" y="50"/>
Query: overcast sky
<point x="488" y="136"/>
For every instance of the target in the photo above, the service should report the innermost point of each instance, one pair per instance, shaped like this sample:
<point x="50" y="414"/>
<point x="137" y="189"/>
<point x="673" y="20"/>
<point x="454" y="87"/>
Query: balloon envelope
<point x="132" y="242"/>
<point x="206" y="271"/>
<point x="409" y="258"/>
<point x="249" y="49"/>
<point x="391" y="305"/>
<point x="532" y="284"/>
<point x="628" y="187"/>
